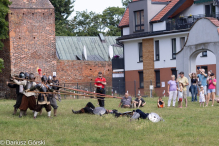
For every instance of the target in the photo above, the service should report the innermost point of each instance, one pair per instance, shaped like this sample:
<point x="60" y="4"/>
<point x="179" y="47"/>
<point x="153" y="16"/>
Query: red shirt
<point x="101" y="80"/>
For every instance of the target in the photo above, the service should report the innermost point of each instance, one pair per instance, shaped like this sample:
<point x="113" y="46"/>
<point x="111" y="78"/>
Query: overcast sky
<point x="94" y="5"/>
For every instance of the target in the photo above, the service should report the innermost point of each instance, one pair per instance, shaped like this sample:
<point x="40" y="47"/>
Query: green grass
<point x="193" y="125"/>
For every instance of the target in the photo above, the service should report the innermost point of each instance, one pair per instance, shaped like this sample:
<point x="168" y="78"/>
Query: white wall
<point x="165" y="45"/>
<point x="159" y="26"/>
<point x="131" y="53"/>
<point x="126" y="31"/>
<point x="210" y="59"/>
<point x="195" y="9"/>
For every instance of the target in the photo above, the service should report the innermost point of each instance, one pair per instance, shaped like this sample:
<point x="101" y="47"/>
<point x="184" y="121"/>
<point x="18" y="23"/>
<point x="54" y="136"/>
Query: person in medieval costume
<point x="19" y="92"/>
<point x="91" y="109"/>
<point x="53" y="97"/>
<point x="55" y="83"/>
<point x="28" y="99"/>
<point x="137" y="114"/>
<point x="43" y="98"/>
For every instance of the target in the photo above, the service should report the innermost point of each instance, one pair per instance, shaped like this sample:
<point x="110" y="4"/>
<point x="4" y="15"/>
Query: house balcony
<point x="117" y="63"/>
<point x="182" y="22"/>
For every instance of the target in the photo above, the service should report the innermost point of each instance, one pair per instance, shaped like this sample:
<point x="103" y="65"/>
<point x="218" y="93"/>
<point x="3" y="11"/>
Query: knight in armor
<point x="28" y="99"/>
<point x="43" y="98"/>
<point x="52" y="97"/>
<point x="91" y="109"/>
<point x="55" y="82"/>
<point x="19" y="92"/>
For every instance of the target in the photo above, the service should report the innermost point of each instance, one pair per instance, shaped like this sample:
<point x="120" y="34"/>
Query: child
<point x="140" y="101"/>
<point x="160" y="103"/>
<point x="180" y="94"/>
<point x="201" y="96"/>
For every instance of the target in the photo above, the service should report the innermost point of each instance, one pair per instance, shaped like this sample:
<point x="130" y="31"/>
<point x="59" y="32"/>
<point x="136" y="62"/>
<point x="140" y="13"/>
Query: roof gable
<point x="31" y="4"/>
<point x="172" y="9"/>
<point x="125" y="19"/>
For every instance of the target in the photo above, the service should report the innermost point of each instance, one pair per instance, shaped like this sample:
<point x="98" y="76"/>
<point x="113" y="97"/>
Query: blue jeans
<point x="194" y="92"/>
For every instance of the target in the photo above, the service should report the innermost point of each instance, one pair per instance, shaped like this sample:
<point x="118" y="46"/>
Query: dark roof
<point x="71" y="47"/>
<point x="172" y="9"/>
<point x="147" y="34"/>
<point x="31" y="4"/>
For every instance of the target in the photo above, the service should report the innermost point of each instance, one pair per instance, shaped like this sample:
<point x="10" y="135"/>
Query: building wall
<point x="165" y="45"/>
<point x="132" y="83"/>
<point x="126" y="31"/>
<point x="73" y="71"/>
<point x="148" y="66"/>
<point x="131" y="53"/>
<point x="210" y="59"/>
<point x="159" y="26"/>
<point x="195" y="9"/>
<point x="32" y="40"/>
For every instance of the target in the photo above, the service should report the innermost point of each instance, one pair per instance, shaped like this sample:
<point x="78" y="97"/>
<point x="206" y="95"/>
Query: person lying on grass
<point x="91" y="109"/>
<point x="140" y="102"/>
<point x="160" y="103"/>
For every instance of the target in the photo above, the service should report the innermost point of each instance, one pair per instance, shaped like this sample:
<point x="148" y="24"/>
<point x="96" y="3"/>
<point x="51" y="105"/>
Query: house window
<point x="157" y="52"/>
<point x="157" y="75"/>
<point x="173" y="48"/>
<point x="204" y="54"/>
<point x="174" y="72"/>
<point x="140" y="52"/>
<point x="182" y="42"/>
<point x="139" y="21"/>
<point x="141" y="79"/>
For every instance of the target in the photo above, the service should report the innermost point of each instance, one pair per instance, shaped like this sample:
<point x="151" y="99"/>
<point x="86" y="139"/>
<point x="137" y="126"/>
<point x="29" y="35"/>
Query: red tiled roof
<point x="165" y="10"/>
<point x="125" y="19"/>
<point x="184" y="6"/>
<point x="213" y="20"/>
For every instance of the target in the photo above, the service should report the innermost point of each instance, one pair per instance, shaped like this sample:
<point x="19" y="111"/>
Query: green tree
<point x="87" y="24"/>
<point x="63" y="9"/>
<point x="125" y="2"/>
<point x="111" y="18"/>
<point x="3" y="25"/>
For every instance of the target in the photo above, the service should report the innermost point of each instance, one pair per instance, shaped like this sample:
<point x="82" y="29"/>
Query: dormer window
<point x="139" y="20"/>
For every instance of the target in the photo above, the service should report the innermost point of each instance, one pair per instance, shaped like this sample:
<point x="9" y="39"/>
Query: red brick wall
<point x="72" y="71"/>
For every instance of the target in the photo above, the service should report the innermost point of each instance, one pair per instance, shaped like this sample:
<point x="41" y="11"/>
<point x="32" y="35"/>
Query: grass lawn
<point x="193" y="125"/>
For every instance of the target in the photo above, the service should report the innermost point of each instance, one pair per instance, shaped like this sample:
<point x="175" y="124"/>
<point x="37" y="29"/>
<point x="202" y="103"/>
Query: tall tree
<point x="63" y="9"/>
<point x="111" y="18"/>
<point x="3" y="25"/>
<point x="87" y="24"/>
<point x="125" y="2"/>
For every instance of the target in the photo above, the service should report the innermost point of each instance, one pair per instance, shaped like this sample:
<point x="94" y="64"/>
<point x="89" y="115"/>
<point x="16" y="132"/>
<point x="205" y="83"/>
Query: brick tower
<point x="31" y="42"/>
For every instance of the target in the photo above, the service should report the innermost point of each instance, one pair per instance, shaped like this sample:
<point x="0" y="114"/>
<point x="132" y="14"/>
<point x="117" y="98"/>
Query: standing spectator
<point x="100" y="84"/>
<point x="193" y="87"/>
<point x="180" y="94"/>
<point x="201" y="96"/>
<point x="140" y="101"/>
<point x="203" y="79"/>
<point x="172" y="90"/>
<point x="211" y="88"/>
<point x="209" y="76"/>
<point x="184" y="81"/>
<point x="126" y="101"/>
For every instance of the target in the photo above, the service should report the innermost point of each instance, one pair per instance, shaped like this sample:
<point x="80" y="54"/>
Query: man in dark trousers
<point x="100" y="84"/>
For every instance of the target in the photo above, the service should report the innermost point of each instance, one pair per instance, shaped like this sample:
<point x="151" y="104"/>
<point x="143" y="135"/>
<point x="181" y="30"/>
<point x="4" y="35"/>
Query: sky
<point x="94" y="5"/>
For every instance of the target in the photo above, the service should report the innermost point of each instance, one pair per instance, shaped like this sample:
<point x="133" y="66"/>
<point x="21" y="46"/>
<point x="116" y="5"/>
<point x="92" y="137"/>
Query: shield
<point x="99" y="111"/>
<point x="153" y="117"/>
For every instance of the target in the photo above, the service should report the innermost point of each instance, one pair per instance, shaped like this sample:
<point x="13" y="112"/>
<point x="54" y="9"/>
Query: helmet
<point x="44" y="78"/>
<point x="31" y="76"/>
<point x="26" y="75"/>
<point x="50" y="78"/>
<point x="21" y="75"/>
<point x="153" y="117"/>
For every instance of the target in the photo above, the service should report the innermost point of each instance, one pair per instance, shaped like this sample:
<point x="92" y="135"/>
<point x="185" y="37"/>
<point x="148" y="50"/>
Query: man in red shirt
<point x="100" y="84"/>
